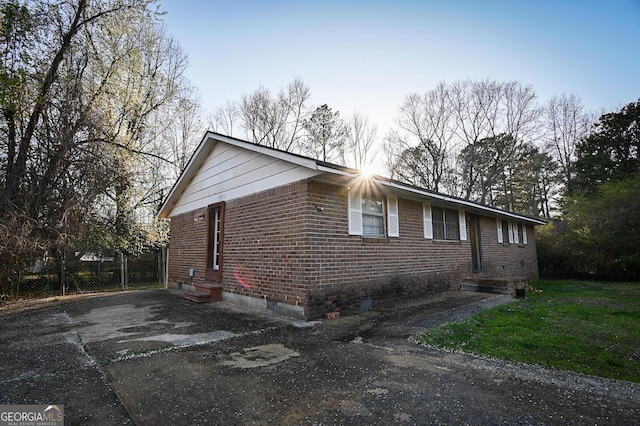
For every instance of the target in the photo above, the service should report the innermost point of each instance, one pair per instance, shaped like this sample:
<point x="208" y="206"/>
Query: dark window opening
<point x="445" y="224"/>
<point x="505" y="231"/>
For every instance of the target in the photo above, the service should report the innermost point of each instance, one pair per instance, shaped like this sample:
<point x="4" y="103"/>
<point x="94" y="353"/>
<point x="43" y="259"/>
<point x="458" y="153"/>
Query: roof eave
<point x="183" y="180"/>
<point x="205" y="147"/>
<point x="426" y="194"/>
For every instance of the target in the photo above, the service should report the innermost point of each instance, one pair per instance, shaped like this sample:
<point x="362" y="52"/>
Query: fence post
<point x="165" y="253"/>
<point x="63" y="277"/>
<point x="160" y="266"/>
<point x="122" y="271"/>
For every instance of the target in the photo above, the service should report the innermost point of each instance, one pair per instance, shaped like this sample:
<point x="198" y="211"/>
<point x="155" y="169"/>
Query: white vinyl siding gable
<point x="231" y="172"/>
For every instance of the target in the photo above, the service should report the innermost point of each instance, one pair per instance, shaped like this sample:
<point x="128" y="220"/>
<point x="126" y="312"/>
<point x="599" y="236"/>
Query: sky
<point x="366" y="56"/>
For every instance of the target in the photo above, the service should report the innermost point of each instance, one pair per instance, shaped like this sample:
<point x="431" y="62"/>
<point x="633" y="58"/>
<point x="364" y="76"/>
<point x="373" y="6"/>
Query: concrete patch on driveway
<point x="117" y="322"/>
<point x="184" y="340"/>
<point x="260" y="356"/>
<point x="135" y="330"/>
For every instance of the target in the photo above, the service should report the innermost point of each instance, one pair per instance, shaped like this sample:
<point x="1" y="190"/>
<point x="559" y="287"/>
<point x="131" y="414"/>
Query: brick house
<point x="279" y="231"/>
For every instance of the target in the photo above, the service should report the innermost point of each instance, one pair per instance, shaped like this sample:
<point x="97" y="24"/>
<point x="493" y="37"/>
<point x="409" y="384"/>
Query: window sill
<point x="374" y="239"/>
<point x="446" y="241"/>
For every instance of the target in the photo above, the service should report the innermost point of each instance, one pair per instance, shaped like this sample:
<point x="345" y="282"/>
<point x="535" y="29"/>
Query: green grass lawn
<point x="588" y="327"/>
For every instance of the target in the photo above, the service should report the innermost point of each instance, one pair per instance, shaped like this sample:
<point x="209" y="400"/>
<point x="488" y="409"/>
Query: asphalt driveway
<point x="152" y="357"/>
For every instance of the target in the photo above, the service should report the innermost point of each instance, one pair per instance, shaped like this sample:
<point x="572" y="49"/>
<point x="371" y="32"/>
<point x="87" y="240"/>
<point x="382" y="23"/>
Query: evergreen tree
<point x="610" y="152"/>
<point x="326" y="135"/>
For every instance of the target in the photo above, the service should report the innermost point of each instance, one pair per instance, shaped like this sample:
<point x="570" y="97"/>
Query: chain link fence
<point x="88" y="271"/>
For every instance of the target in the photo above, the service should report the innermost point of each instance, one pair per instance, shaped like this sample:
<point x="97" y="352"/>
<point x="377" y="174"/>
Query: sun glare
<point x="367" y="171"/>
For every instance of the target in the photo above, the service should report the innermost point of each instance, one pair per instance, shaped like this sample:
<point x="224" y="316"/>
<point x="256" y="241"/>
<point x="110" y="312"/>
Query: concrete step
<point x="197" y="296"/>
<point x="204" y="293"/>
<point x="484" y="288"/>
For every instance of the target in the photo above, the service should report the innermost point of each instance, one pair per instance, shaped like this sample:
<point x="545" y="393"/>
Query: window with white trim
<point x="367" y="215"/>
<point x="372" y="217"/>
<point x="511" y="232"/>
<point x="503" y="231"/>
<point x="522" y="233"/>
<point x="444" y="224"/>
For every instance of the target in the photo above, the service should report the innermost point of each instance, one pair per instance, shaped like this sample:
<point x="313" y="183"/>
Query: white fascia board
<point x="434" y="196"/>
<point x="463" y="203"/>
<point x="281" y="155"/>
<point x="326" y="169"/>
<point x="184" y="178"/>
<point x="205" y="148"/>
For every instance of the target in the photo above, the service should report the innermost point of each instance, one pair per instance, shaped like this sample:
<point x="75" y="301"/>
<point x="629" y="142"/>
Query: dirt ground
<point x="151" y="357"/>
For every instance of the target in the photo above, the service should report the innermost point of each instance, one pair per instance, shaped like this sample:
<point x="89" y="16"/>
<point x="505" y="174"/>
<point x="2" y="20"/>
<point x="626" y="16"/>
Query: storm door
<point x="215" y="234"/>
<point x="476" y="243"/>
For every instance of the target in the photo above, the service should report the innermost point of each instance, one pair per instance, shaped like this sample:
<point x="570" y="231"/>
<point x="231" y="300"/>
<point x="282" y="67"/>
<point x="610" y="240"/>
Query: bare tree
<point x="461" y="136"/>
<point x="411" y="164"/>
<point x="424" y="138"/>
<point x="566" y="124"/>
<point x="361" y="138"/>
<point x="144" y="78"/>
<point x="294" y="100"/>
<point x="275" y="121"/>
<point x="174" y="132"/>
<point x="260" y="118"/>
<point x="489" y="111"/>
<point x="475" y="107"/>
<point x="486" y="158"/>
<point x="522" y="113"/>
<point x="185" y="132"/>
<point x="83" y="81"/>
<point x="225" y="119"/>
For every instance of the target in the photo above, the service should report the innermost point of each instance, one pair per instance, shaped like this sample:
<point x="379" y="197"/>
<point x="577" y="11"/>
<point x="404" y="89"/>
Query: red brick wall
<point x="188" y="247"/>
<point x="291" y="245"/>
<point x="349" y="268"/>
<point x="505" y="259"/>
<point x="264" y="252"/>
